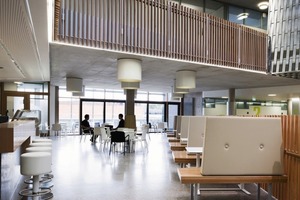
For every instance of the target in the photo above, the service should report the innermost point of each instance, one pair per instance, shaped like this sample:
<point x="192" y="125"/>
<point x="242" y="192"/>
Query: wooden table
<point x="181" y="157"/>
<point x="176" y="146"/>
<point x="193" y="176"/>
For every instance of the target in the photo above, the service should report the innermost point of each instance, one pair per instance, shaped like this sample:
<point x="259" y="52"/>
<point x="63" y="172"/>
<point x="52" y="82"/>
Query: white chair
<point x="104" y="136"/>
<point x="97" y="133"/>
<point x="56" y="128"/>
<point x="162" y="126"/>
<point x="142" y="139"/>
<point x="85" y="134"/>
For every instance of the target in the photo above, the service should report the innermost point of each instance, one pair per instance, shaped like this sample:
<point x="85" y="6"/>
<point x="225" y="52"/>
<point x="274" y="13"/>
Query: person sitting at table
<point x="121" y="122"/>
<point x="86" y="128"/>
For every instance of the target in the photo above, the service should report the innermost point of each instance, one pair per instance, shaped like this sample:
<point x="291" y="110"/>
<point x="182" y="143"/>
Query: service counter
<point x="14" y="138"/>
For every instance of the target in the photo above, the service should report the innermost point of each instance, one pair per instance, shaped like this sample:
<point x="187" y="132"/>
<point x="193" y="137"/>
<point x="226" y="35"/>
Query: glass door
<point x="156" y="115"/>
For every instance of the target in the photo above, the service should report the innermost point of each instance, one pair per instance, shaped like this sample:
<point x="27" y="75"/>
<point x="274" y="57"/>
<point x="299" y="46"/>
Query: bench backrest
<point x="178" y="125"/>
<point x="196" y="131"/>
<point x="184" y="127"/>
<point x="242" y="146"/>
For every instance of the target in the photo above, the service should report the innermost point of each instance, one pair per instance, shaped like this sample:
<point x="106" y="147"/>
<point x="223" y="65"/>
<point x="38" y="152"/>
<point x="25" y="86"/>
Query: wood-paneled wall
<point x="159" y="28"/>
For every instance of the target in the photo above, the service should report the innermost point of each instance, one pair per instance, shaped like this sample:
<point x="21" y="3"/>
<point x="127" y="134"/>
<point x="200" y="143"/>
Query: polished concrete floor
<point x="85" y="171"/>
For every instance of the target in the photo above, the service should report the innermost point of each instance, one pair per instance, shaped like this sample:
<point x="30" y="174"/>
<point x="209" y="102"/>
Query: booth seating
<point x="35" y="164"/>
<point x="195" y="139"/>
<point x="184" y="128"/>
<point x="239" y="150"/>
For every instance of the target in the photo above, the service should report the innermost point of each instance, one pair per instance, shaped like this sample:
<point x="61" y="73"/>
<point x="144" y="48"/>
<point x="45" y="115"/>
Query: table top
<point x="194" y="149"/>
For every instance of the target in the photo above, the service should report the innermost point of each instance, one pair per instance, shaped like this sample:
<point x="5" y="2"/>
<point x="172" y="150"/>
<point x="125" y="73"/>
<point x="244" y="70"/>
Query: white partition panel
<point x="242" y="146"/>
<point x="196" y="131"/>
<point x="184" y="127"/>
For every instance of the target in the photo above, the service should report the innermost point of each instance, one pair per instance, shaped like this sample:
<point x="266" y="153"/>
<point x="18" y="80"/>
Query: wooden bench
<point x="193" y="176"/>
<point x="181" y="158"/>
<point x="173" y="139"/>
<point x="176" y="146"/>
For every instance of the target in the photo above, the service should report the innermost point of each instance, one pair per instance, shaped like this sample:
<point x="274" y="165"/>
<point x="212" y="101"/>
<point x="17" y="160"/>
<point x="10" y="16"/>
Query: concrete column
<point x="129" y="105"/>
<point x="231" y="102"/>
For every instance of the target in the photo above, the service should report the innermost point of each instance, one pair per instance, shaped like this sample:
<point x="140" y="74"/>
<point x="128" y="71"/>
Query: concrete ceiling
<point x="23" y="38"/>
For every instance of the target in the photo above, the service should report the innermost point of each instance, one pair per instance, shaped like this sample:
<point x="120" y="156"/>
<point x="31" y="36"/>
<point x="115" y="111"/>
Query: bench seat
<point x="176" y="146"/>
<point x="181" y="157"/>
<point x="193" y="176"/>
<point x="173" y="139"/>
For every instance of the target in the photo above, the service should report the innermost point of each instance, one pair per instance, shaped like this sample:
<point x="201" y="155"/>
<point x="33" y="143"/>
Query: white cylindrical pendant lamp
<point x="79" y="94"/>
<point x="130" y="85"/>
<point x="129" y="70"/>
<point x="74" y="84"/>
<point x="185" y="79"/>
<point x="179" y="90"/>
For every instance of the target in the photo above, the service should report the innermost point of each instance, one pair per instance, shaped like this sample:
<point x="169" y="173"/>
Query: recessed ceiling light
<point x="272" y="95"/>
<point x="18" y="83"/>
<point x="242" y="16"/>
<point x="263" y="5"/>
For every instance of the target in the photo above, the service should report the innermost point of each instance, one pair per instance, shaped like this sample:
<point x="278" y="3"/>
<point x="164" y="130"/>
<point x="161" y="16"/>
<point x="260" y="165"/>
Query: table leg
<point x="258" y="191"/>
<point x="197" y="165"/>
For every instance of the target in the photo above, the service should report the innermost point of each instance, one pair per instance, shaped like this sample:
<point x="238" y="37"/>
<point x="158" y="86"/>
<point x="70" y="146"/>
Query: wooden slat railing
<point x="159" y="28"/>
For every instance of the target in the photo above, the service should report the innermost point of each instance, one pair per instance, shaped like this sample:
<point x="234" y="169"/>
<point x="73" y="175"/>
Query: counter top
<point x="13" y="134"/>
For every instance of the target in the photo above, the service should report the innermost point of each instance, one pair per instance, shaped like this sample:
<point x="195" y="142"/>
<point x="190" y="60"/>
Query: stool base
<point x="43" y="194"/>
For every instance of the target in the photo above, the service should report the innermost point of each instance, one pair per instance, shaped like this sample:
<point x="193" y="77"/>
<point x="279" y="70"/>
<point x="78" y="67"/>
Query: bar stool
<point x="40" y="144"/>
<point x="46" y="177"/>
<point x="36" y="164"/>
<point x="42" y="140"/>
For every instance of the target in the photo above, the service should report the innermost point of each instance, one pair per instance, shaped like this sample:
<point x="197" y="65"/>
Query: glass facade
<point x="150" y="107"/>
<point x="255" y="18"/>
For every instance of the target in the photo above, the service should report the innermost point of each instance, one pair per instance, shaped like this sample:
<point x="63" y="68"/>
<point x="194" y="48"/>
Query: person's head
<point x="120" y="116"/>
<point x="87" y="117"/>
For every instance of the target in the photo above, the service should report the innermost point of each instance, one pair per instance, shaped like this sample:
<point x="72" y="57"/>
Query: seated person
<point x="121" y="122"/>
<point x="86" y="128"/>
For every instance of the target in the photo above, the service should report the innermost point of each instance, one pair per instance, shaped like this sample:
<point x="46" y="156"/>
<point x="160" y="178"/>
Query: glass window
<point x="194" y="4"/>
<point x="115" y="94"/>
<point x="173" y="111"/>
<point x="214" y="8"/>
<point x="40" y="102"/>
<point x="253" y="19"/>
<point x="264" y="21"/>
<point x="29" y="87"/>
<point x="156" y="114"/>
<point x="69" y="114"/>
<point x="233" y="13"/>
<point x="140" y="110"/>
<point x="143" y="96"/>
<point x="113" y="109"/>
<point x="95" y="111"/>
<point x="156" y="96"/>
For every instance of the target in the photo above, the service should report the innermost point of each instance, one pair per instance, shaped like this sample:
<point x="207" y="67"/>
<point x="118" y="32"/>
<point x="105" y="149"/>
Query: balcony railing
<point x="159" y="28"/>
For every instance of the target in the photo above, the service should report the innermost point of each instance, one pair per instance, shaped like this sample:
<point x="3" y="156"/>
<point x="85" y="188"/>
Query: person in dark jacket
<point x="121" y="122"/>
<point x="86" y="128"/>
